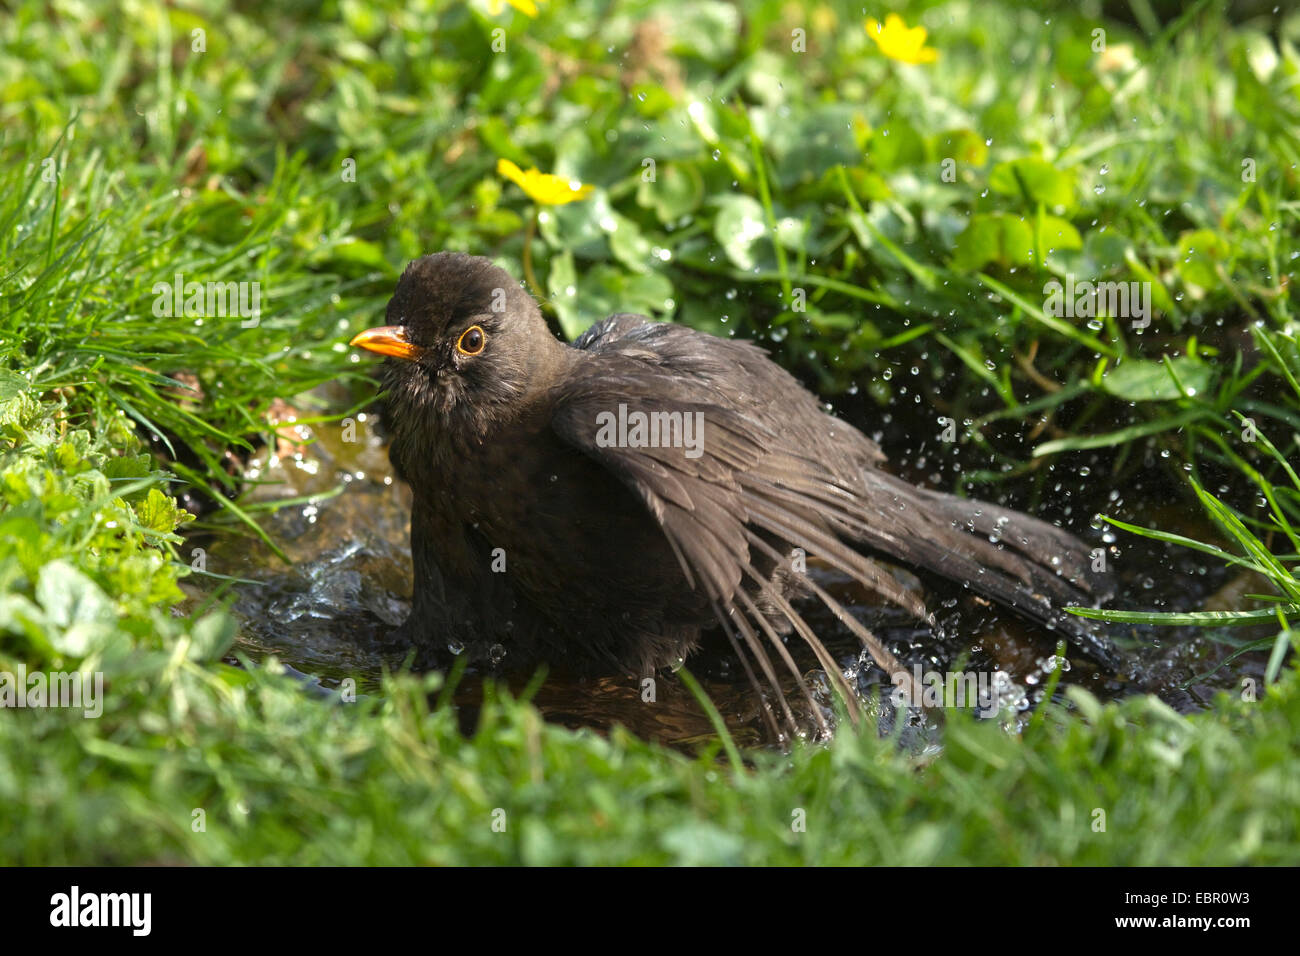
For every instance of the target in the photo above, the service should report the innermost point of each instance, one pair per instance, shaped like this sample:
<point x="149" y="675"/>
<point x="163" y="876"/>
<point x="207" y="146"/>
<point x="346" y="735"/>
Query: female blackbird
<point x="601" y="504"/>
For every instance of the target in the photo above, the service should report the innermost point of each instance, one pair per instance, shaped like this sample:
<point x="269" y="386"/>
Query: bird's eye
<point x="471" y="341"/>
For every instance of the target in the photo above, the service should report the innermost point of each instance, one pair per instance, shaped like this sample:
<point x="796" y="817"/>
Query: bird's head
<point x="465" y="343"/>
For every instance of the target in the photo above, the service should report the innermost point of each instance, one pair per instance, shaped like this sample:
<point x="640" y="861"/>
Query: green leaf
<point x="965" y="146"/>
<point x="579" y="226"/>
<point x="211" y="636"/>
<point x="79" y="614"/>
<point x="677" y="191"/>
<point x="651" y="100"/>
<point x="562" y="290"/>
<point x="628" y="245"/>
<point x="739" y="225"/>
<point x="1058" y="234"/>
<point x="706" y="29"/>
<point x="806" y="145"/>
<point x="158" y="512"/>
<point x="1198" y="254"/>
<point x="18" y="414"/>
<point x="994" y="237"/>
<point x="12" y="385"/>
<point x="1036" y="180"/>
<point x="360" y="253"/>
<point x="1142" y="380"/>
<point x="897" y="145"/>
<point x="128" y="466"/>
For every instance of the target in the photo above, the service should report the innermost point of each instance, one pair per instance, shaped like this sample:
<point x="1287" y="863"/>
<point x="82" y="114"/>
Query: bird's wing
<point x="773" y="472"/>
<point x="1010" y="556"/>
<point x="748" y="455"/>
<point x="738" y="374"/>
<point x="728" y="502"/>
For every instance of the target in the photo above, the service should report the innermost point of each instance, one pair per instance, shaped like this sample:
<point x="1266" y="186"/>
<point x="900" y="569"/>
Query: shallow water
<point x="349" y="574"/>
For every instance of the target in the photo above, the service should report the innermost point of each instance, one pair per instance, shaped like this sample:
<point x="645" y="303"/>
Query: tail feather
<point x="1009" y="557"/>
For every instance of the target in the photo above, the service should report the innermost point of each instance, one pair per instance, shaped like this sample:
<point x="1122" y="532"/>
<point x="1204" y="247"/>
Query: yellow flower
<point x="523" y="6"/>
<point x="900" y="42"/>
<point x="1117" y="58"/>
<point x="543" y="187"/>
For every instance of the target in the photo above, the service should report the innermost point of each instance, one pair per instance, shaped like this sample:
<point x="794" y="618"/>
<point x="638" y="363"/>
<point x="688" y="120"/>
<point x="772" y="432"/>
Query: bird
<point x="607" y="505"/>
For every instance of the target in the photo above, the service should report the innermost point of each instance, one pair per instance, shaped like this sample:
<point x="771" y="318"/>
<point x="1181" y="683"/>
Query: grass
<point x="806" y="199"/>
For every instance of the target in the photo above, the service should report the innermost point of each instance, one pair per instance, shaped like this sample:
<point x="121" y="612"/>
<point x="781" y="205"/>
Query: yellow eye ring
<point x="471" y="341"/>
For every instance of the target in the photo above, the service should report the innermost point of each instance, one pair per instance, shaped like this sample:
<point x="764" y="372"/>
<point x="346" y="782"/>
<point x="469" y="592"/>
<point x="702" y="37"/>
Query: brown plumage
<point x="536" y="538"/>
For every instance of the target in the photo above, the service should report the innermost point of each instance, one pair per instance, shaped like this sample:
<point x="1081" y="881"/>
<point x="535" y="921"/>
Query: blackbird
<point x="600" y="505"/>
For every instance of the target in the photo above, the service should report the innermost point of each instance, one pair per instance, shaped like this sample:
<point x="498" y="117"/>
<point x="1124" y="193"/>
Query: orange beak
<point x="388" y="340"/>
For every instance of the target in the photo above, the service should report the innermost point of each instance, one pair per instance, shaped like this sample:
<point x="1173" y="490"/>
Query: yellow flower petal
<point x="900" y="42"/>
<point x="510" y="171"/>
<point x="1117" y="58"/>
<point x="527" y="7"/>
<point x="542" y="187"/>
